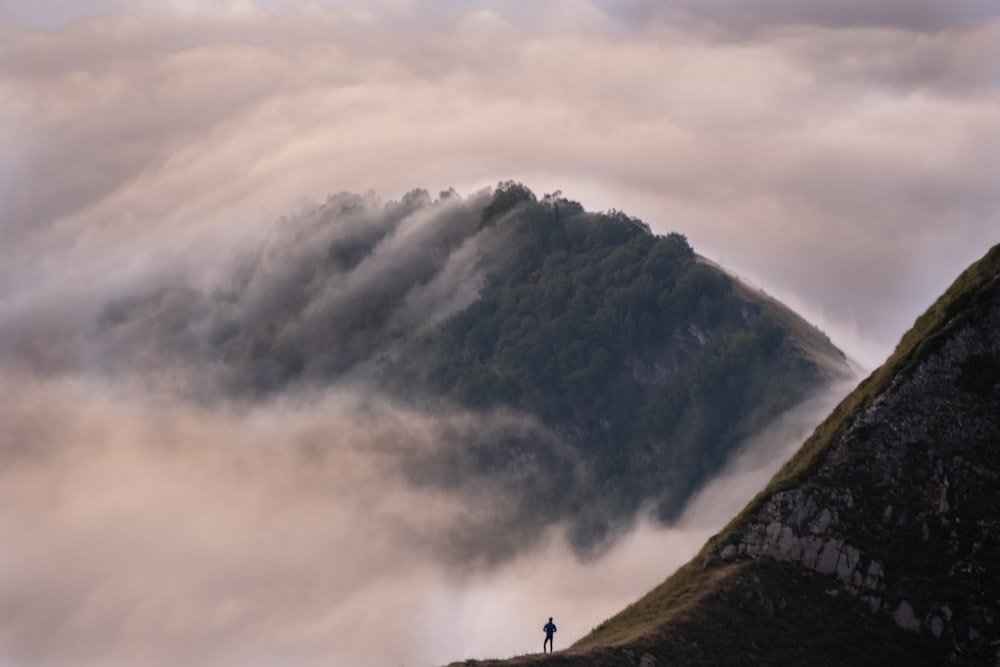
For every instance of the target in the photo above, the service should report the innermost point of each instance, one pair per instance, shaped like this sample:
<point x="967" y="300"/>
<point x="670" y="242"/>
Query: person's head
<point x="550" y="619"/>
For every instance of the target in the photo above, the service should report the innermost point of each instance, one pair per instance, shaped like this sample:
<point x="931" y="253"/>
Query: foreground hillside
<point x="877" y="544"/>
<point x="633" y="366"/>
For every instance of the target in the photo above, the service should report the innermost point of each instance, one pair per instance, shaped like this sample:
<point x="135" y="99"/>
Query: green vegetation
<point x="770" y="614"/>
<point x="652" y="363"/>
<point x="624" y="367"/>
<point x="670" y="600"/>
<point x="777" y="614"/>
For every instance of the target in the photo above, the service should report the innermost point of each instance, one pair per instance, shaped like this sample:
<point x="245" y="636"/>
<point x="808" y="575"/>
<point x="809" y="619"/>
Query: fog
<point x="842" y="154"/>
<point x="167" y="168"/>
<point x="154" y="532"/>
<point x="199" y="467"/>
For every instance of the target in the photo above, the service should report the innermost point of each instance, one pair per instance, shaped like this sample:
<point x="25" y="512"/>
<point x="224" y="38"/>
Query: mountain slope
<point x="876" y="544"/>
<point x="650" y="363"/>
<point x="634" y="366"/>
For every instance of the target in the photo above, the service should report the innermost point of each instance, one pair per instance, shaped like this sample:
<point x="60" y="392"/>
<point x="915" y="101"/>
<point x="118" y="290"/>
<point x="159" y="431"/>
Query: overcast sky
<point x="842" y="154"/>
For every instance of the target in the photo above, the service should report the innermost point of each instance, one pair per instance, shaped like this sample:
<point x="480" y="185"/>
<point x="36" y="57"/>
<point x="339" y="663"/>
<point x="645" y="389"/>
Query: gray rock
<point x="789" y="546"/>
<point x="829" y="557"/>
<point x="874" y="576"/>
<point x="811" y="546"/>
<point x="822" y="522"/>
<point x="857" y="582"/>
<point x="937" y="626"/>
<point x="905" y="618"/>
<point x="774" y="530"/>
<point x="847" y="562"/>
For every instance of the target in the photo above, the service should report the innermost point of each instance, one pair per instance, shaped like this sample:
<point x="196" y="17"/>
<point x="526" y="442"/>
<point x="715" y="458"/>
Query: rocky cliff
<point x="902" y="509"/>
<point x="878" y="543"/>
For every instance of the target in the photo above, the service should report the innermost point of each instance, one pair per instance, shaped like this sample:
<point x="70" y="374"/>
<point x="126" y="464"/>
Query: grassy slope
<point x="735" y="618"/>
<point x="816" y="343"/>
<point x="693" y="581"/>
<point x="786" y="614"/>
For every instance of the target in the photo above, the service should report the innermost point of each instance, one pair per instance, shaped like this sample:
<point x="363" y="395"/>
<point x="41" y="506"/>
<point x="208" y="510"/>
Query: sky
<point x="841" y="154"/>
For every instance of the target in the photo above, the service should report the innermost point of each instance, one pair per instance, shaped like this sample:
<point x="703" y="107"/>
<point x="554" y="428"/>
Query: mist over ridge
<point x="637" y="366"/>
<point x="352" y="413"/>
<point x="226" y="440"/>
<point x="779" y="137"/>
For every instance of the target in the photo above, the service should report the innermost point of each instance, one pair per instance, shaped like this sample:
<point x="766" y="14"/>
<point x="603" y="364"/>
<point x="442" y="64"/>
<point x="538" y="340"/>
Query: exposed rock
<point x="922" y="456"/>
<point x="874" y="576"/>
<point x="936" y="626"/>
<point x="849" y="557"/>
<point x="829" y="556"/>
<point x="823" y="521"/>
<point x="874" y="603"/>
<point x="905" y="618"/>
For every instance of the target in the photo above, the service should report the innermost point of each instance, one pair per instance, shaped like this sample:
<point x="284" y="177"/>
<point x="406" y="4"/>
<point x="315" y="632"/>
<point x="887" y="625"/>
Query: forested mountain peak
<point x="636" y="366"/>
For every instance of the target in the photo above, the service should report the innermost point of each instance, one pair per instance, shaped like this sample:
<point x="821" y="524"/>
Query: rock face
<point x="903" y="508"/>
<point x="799" y="530"/>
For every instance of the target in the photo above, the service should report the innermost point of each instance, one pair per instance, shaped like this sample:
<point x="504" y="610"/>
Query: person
<point x="550" y="629"/>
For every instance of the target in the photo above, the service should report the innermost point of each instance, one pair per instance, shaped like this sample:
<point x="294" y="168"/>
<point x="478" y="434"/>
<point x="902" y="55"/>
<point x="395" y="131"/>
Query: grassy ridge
<point x="964" y="300"/>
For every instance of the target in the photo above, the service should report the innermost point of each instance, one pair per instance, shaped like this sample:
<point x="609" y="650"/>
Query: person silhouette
<point x="550" y="629"/>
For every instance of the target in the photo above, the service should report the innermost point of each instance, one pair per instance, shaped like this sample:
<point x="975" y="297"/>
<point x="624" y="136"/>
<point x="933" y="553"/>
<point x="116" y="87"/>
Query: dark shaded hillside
<point x="877" y="544"/>
<point x="638" y="366"/>
<point x="649" y="361"/>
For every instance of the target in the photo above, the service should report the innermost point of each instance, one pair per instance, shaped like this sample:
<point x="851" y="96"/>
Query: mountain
<point x="635" y="365"/>
<point x="648" y="363"/>
<point x="877" y="544"/>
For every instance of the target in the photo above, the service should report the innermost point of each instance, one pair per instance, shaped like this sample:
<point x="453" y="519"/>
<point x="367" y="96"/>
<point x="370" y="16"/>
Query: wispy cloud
<point x="825" y="149"/>
<point x="157" y="533"/>
<point x="841" y="154"/>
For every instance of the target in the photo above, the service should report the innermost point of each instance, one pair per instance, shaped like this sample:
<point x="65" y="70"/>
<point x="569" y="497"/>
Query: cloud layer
<point x="157" y="534"/>
<point x="842" y="154"/>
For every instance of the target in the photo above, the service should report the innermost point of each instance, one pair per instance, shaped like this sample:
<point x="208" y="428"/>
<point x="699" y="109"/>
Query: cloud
<point x="339" y="286"/>
<point x="189" y="131"/>
<point x="752" y="15"/>
<point x="841" y="154"/>
<point x="155" y="532"/>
